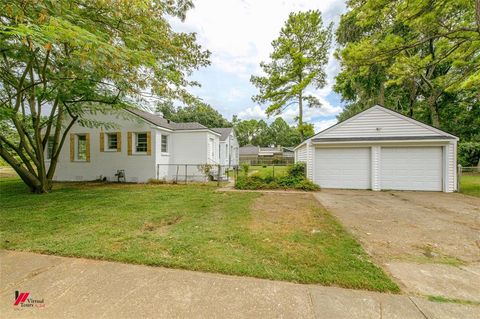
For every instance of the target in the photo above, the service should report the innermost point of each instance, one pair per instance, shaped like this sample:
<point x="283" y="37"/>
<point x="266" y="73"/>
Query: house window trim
<point x="50" y="140"/>
<point x="135" y="137"/>
<point x="76" y="152"/>
<point x="106" y="142"/>
<point x="167" y="152"/>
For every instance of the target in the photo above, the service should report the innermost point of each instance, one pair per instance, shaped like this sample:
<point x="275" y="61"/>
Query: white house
<point x="228" y="148"/>
<point x="142" y="145"/>
<point x="380" y="149"/>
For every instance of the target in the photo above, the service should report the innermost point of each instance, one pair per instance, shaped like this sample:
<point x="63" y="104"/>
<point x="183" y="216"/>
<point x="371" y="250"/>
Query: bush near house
<point x="294" y="179"/>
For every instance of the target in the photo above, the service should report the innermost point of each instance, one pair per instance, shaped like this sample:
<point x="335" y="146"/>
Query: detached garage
<point x="381" y="149"/>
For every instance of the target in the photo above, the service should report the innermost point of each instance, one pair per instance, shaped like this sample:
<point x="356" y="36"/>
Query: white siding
<point x="301" y="154"/>
<point x="375" y="167"/>
<point x="377" y="122"/>
<point x="138" y="168"/>
<point x="229" y="151"/>
<point x="451" y="167"/>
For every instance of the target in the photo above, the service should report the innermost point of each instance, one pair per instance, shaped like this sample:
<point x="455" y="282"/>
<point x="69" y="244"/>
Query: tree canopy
<point x="259" y="133"/>
<point x="62" y="59"/>
<point x="421" y="58"/>
<point x="299" y="56"/>
<point x="199" y="112"/>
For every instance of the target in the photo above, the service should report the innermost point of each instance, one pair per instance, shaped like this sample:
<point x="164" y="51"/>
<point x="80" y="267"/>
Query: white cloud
<point x="239" y="35"/>
<point x="324" y="124"/>
<point x="240" y="32"/>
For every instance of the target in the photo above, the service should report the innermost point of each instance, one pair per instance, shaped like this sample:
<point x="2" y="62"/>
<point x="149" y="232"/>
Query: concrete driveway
<point x="429" y="242"/>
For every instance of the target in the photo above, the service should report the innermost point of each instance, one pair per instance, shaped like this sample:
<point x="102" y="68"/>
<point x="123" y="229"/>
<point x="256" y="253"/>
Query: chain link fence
<point x="466" y="170"/>
<point x="195" y="173"/>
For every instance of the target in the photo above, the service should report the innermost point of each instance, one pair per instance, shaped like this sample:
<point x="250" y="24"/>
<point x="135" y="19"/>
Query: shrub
<point x="297" y="170"/>
<point x="468" y="153"/>
<point x="245" y="168"/>
<point x="295" y="179"/>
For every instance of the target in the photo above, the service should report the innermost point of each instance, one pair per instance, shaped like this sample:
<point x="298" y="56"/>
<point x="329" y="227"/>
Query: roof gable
<point x="380" y="122"/>
<point x="224" y="132"/>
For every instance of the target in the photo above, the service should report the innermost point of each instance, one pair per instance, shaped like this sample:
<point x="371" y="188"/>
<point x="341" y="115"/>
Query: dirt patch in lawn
<point x="286" y="212"/>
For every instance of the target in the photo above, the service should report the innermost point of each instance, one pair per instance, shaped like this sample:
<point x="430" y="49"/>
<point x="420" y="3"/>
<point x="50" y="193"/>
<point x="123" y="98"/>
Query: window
<point x="141" y="142"/>
<point x="81" y="147"/>
<point x="212" y="150"/>
<point x="164" y="144"/>
<point x="50" y="148"/>
<point x="112" y="141"/>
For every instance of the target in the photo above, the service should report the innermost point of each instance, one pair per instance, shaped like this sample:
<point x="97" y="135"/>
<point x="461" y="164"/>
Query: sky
<point x="239" y="33"/>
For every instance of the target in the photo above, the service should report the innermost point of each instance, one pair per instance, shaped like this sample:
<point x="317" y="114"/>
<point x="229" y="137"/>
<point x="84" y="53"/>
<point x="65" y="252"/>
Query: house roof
<point x="163" y="122"/>
<point x="224" y="132"/>
<point x="271" y="149"/>
<point x="249" y="150"/>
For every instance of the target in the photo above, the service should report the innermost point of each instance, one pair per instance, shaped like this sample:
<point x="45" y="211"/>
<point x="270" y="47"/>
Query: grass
<point x="189" y="227"/>
<point x="268" y="171"/>
<point x="443" y="299"/>
<point x="470" y="184"/>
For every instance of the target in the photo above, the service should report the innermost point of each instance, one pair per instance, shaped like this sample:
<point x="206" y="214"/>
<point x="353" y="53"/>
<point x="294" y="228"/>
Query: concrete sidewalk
<point x="81" y="288"/>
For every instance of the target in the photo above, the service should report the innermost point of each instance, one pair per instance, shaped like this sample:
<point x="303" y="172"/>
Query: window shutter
<point x="87" y="146"/>
<point x="129" y="142"/>
<point x="119" y="141"/>
<point x="149" y="143"/>
<point x="72" y="147"/>
<point x="102" y="142"/>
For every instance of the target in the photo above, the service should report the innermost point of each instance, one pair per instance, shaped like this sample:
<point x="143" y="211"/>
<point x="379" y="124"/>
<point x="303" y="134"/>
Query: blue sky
<point x="239" y="35"/>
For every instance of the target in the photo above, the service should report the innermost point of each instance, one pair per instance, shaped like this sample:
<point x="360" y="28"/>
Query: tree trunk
<point x="381" y="95"/>
<point x="300" y="114"/>
<point x="477" y="14"/>
<point x="432" y="106"/>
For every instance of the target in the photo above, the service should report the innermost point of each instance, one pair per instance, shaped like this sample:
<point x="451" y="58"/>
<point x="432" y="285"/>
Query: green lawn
<point x="470" y="184"/>
<point x="268" y="171"/>
<point x="191" y="227"/>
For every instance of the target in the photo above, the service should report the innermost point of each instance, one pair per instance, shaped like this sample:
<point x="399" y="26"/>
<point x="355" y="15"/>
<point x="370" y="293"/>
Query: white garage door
<point x="343" y="168"/>
<point x="411" y="168"/>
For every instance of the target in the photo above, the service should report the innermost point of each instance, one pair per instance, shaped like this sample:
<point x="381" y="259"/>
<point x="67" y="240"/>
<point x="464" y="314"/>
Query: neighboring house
<point x="288" y="152"/>
<point x="266" y="155"/>
<point x="229" y="147"/>
<point x="142" y="144"/>
<point x="380" y="149"/>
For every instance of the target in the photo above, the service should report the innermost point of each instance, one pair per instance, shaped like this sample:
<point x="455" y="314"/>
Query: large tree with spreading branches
<point x="61" y="59"/>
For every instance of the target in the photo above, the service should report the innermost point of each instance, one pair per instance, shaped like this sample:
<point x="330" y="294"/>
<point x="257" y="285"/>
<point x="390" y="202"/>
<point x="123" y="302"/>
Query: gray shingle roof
<point x="224" y="132"/>
<point x="249" y="150"/>
<point x="379" y="138"/>
<point x="163" y="122"/>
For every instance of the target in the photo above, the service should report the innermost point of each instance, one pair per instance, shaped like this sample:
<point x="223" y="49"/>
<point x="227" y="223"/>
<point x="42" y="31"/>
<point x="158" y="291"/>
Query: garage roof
<point x="378" y="123"/>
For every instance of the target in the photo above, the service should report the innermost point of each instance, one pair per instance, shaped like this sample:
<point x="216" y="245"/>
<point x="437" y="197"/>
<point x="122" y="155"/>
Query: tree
<point x="418" y="57"/>
<point x="198" y="112"/>
<point x="282" y="134"/>
<point x="298" y="60"/>
<point x="63" y="59"/>
<point x="252" y="132"/>
<point x="259" y="133"/>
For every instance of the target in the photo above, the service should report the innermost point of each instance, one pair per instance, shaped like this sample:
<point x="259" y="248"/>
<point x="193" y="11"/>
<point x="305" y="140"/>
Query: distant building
<point x="253" y="155"/>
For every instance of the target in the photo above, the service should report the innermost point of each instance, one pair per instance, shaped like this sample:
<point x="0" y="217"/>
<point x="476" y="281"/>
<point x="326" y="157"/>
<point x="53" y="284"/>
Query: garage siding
<point x="378" y="122"/>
